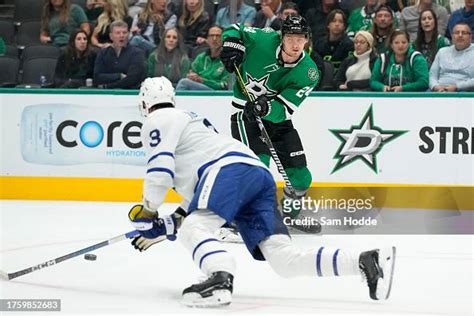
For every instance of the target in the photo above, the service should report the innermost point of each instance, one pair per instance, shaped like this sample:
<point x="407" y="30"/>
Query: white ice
<point x="433" y="273"/>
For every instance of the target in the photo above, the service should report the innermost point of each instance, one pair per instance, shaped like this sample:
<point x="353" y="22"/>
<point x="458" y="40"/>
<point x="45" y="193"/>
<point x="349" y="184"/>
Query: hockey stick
<point x="9" y="276"/>
<point x="266" y="137"/>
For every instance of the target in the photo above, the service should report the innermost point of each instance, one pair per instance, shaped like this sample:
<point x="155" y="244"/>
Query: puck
<point x="89" y="256"/>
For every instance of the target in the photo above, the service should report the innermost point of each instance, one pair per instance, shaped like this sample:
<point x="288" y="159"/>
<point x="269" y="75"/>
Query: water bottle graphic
<point x="68" y="134"/>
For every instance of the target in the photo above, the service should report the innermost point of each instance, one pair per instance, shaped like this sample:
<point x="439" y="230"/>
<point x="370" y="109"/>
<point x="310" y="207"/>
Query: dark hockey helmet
<point x="295" y="24"/>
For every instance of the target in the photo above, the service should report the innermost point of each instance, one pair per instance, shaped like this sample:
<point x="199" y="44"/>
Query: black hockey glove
<point x="232" y="54"/>
<point x="259" y="107"/>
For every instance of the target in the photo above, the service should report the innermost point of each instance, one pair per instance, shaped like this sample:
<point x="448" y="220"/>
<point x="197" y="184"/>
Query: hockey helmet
<point x="153" y="91"/>
<point x="295" y="24"/>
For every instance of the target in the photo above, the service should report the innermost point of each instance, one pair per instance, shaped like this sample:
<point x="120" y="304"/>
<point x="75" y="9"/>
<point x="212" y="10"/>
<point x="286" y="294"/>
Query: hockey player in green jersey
<point x="279" y="75"/>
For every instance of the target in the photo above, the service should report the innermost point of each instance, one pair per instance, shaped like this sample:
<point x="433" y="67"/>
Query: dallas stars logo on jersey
<point x="266" y="74"/>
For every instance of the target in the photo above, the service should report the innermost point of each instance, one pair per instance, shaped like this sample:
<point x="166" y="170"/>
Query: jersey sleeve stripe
<point x="165" y="170"/>
<point x="163" y="153"/>
<point x="292" y="106"/>
<point x="287" y="108"/>
<point x="203" y="168"/>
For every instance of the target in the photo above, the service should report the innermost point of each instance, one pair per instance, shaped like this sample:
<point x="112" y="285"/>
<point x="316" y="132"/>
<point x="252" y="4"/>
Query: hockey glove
<point x="232" y="54"/>
<point x="152" y="227"/>
<point x="141" y="243"/>
<point x="259" y="107"/>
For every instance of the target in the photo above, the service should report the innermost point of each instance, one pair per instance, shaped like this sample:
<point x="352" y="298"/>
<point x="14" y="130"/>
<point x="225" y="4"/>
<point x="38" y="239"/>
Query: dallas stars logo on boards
<point x="362" y="142"/>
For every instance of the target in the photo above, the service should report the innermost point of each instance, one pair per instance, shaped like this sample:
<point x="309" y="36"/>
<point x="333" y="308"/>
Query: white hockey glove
<point x="141" y="243"/>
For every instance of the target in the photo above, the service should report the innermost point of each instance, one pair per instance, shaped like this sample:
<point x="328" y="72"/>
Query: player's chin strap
<point x="266" y="137"/>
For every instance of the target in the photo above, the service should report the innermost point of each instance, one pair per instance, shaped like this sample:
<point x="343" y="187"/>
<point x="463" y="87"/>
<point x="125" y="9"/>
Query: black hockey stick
<point x="9" y="276"/>
<point x="266" y="137"/>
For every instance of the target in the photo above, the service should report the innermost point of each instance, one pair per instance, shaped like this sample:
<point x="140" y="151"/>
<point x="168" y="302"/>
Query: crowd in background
<point x="383" y="45"/>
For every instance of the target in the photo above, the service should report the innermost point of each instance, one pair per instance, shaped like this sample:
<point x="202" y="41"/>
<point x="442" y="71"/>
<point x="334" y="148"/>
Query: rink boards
<point x="400" y="150"/>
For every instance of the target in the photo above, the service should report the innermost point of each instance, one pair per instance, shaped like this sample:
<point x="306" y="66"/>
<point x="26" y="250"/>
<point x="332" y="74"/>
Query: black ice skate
<point x="377" y="267"/>
<point x="214" y="292"/>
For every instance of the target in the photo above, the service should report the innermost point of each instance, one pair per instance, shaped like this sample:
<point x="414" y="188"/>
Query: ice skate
<point x="377" y="266"/>
<point x="216" y="291"/>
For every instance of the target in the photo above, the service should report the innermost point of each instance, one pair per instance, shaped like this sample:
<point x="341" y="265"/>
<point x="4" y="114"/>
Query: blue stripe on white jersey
<point x="163" y="153"/>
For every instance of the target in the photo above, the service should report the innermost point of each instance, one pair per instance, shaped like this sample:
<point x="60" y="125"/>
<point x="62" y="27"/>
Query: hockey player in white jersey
<point x="225" y="182"/>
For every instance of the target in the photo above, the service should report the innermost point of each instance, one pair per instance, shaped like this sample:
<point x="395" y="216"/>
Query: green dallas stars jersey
<point x="265" y="74"/>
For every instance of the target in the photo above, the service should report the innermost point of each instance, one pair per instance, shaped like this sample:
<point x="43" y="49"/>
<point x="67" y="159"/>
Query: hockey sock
<point x="265" y="159"/>
<point x="300" y="178"/>
<point x="197" y="235"/>
<point x="290" y="261"/>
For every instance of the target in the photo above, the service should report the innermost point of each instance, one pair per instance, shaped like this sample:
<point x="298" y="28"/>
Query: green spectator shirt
<point x="211" y="70"/>
<point x="412" y="75"/>
<point x="60" y="33"/>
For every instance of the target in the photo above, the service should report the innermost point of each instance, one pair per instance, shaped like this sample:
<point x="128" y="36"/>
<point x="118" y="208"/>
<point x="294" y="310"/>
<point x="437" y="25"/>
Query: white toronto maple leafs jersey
<point x="181" y="148"/>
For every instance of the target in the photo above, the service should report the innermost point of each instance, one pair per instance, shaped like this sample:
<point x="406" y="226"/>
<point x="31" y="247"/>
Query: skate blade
<point x="387" y="261"/>
<point x="217" y="299"/>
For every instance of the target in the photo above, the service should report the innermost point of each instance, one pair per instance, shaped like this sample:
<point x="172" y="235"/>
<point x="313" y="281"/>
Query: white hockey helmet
<point x="155" y="91"/>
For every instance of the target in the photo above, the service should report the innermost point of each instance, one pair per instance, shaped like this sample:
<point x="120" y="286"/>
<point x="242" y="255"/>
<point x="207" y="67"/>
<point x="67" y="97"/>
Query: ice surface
<point x="433" y="274"/>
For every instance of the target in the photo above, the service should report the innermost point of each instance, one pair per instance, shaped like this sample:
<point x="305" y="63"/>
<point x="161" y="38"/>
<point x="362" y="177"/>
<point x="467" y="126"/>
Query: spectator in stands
<point x="289" y="8"/>
<point x="401" y="69"/>
<point x="360" y="19"/>
<point x="383" y="26"/>
<point x="170" y="58"/>
<point x="465" y="14"/>
<point x="317" y="17"/>
<point x="194" y="24"/>
<point x="267" y="16"/>
<point x="3" y="48"/>
<point x="59" y="20"/>
<point x="453" y="66"/>
<point x="245" y="15"/>
<point x="207" y="70"/>
<point x="114" y="10"/>
<point x="76" y="62"/>
<point x="336" y="46"/>
<point x="396" y="5"/>
<point x="93" y="9"/>
<point x="410" y="16"/>
<point x="355" y="71"/>
<point x="119" y="65"/>
<point x="428" y="40"/>
<point x="135" y="7"/>
<point x="148" y="27"/>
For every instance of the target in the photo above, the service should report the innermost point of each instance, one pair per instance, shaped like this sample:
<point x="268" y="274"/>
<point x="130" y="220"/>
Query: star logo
<point x="362" y="142"/>
<point x="258" y="87"/>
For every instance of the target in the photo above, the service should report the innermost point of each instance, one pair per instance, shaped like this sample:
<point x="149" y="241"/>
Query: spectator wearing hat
<point x="384" y="24"/>
<point x="355" y="71"/>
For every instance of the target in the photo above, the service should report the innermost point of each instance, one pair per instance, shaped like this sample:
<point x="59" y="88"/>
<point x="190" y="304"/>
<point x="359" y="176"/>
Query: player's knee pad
<point x="300" y="178"/>
<point x="198" y="225"/>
